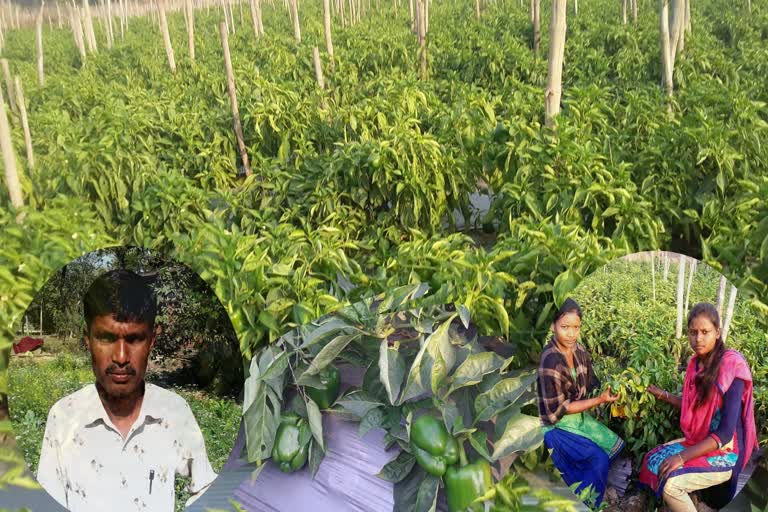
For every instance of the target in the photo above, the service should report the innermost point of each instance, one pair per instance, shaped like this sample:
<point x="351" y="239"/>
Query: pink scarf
<point x="695" y="422"/>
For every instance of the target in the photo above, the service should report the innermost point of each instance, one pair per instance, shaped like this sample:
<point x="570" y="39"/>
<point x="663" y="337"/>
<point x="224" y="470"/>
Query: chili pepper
<point x="432" y="446"/>
<point x="292" y="440"/>
<point x="326" y="393"/>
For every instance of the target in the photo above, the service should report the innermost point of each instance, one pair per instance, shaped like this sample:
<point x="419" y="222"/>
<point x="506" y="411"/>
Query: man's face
<point x="119" y="353"/>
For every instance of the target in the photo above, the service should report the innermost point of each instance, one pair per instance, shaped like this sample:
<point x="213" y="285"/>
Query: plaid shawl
<point x="557" y="387"/>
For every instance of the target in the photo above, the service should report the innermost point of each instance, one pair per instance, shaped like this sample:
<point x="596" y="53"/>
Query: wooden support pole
<point x="420" y="5"/>
<point x="624" y="12"/>
<point x="8" y="83"/>
<point x="233" y="99"/>
<point x="554" y="89"/>
<point x="39" y="40"/>
<point x="12" y="182"/>
<point x="110" y="26"/>
<point x="536" y="26"/>
<point x="255" y="18"/>
<point x="726" y="323"/>
<point x="666" y="58"/>
<point x="24" y="122"/>
<point x="166" y="37"/>
<point x="90" y="34"/>
<point x="295" y="15"/>
<point x="190" y="11"/>
<point x="327" y="27"/>
<point x="77" y="31"/>
<point x="318" y="67"/>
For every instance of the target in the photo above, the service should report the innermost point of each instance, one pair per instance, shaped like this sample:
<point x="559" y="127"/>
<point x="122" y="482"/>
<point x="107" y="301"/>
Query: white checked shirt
<point x="87" y="466"/>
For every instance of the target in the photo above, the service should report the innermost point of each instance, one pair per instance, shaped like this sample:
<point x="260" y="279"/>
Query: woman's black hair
<point x="706" y="378"/>
<point x="569" y="306"/>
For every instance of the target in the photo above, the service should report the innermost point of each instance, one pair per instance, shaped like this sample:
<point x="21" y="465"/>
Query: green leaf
<point x="315" y="422"/>
<point x="358" y="403"/>
<point x="316" y="456"/>
<point x="426" y="499"/>
<point x="479" y="441"/>
<point x="407" y="489"/>
<point x="522" y="433"/>
<point x="438" y="341"/>
<point x="391" y="370"/>
<point x="398" y="468"/>
<point x="503" y="395"/>
<point x="564" y="285"/>
<point x="326" y="355"/>
<point x="464" y="315"/>
<point x="372" y="419"/>
<point x="474" y="368"/>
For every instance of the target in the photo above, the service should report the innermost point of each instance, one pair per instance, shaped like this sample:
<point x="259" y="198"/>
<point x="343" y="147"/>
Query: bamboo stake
<point x="58" y="15"/>
<point x="110" y="27"/>
<point x="729" y="313"/>
<point x="9" y="159"/>
<point x="575" y="7"/>
<point x="25" y="123"/>
<point x="232" y="23"/>
<point x="634" y="11"/>
<point x="8" y="83"/>
<point x="426" y="17"/>
<point x="295" y="15"/>
<point x="477" y="8"/>
<point x="233" y="99"/>
<point x="90" y="34"/>
<point x="318" y="67"/>
<point x="653" y="278"/>
<point x="688" y="16"/>
<point x="166" y="37"/>
<point x="420" y="5"/>
<point x="536" y="26"/>
<point x="721" y="295"/>
<point x="680" y="290"/>
<point x="666" y="59"/>
<point x="39" y="39"/>
<point x="691" y="274"/>
<point x="555" y="60"/>
<point x="623" y="12"/>
<point x="227" y="20"/>
<point x="77" y="31"/>
<point x="190" y="29"/>
<point x="676" y="30"/>
<point x="327" y="27"/>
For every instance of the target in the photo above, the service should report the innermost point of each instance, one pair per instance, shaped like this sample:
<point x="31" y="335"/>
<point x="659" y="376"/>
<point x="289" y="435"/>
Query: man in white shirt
<point x="117" y="444"/>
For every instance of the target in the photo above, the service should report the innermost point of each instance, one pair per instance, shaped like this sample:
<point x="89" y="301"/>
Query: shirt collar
<point x="151" y="408"/>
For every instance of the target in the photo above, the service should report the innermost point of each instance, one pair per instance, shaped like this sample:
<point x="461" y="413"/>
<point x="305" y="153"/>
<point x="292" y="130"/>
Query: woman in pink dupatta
<point x="716" y="417"/>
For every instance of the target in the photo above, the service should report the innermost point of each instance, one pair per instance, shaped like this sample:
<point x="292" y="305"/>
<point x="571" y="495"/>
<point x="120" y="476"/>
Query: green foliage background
<point x="356" y="198"/>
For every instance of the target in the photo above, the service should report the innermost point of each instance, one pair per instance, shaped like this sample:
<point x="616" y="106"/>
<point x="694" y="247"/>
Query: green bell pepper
<point x="434" y="448"/>
<point x="292" y="440"/>
<point x="326" y="393"/>
<point x="465" y="484"/>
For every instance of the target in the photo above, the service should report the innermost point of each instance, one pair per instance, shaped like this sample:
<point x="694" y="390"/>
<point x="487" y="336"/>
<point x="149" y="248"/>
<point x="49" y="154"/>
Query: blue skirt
<point x="580" y="461"/>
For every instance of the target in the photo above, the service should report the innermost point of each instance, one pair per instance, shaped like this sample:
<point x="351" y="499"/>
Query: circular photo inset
<point x="125" y="385"/>
<point x="651" y="389"/>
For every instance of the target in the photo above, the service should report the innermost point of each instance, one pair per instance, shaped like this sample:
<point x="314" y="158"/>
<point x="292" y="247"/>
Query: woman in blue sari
<point x="581" y="448"/>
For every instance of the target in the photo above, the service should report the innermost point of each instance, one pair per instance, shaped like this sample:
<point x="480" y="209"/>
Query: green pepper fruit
<point x="326" y="393"/>
<point x="292" y="440"/>
<point x="465" y="484"/>
<point x="432" y="446"/>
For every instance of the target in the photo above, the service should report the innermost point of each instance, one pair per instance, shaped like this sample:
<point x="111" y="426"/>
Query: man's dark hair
<point x="122" y="294"/>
